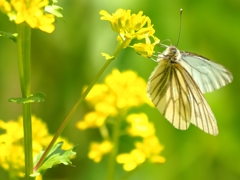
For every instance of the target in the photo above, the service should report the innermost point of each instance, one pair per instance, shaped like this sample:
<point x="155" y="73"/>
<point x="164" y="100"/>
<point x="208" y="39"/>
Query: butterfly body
<point x="177" y="84"/>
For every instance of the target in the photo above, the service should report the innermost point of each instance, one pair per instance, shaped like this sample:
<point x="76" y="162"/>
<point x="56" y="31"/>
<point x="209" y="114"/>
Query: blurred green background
<point x="66" y="60"/>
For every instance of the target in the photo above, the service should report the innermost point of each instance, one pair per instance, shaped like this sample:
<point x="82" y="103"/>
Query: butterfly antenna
<point x="180" y="27"/>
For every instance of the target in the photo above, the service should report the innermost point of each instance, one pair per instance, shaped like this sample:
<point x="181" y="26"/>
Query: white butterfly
<point x="177" y="84"/>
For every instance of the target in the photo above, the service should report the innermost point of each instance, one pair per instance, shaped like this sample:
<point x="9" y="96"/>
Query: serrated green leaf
<point x="12" y="36"/>
<point x="55" y="156"/>
<point x="37" y="97"/>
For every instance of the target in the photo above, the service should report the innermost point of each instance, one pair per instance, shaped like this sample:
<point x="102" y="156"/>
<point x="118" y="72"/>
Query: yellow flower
<point x="123" y="22"/>
<point x="151" y="148"/>
<point x="140" y="126"/>
<point x="97" y="94"/>
<point x="5" y="6"/>
<point x="29" y="11"/>
<point x="132" y="26"/>
<point x="32" y="13"/>
<point x="157" y="159"/>
<point x="38" y="178"/>
<point x="93" y="120"/>
<point x="147" y="49"/>
<point x="131" y="160"/>
<point x="128" y="88"/>
<point x="97" y="150"/>
<point x="121" y="91"/>
<point x="11" y="143"/>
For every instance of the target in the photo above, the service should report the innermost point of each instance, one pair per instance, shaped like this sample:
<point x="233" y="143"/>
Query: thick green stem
<point x="24" y="47"/>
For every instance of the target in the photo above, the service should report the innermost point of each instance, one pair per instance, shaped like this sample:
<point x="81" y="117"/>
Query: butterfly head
<point x="171" y="54"/>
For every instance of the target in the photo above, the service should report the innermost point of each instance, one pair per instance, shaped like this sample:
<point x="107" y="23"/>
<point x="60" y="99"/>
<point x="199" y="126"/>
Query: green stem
<point x="71" y="113"/>
<point x="23" y="48"/>
<point x="115" y="137"/>
<point x="115" y="140"/>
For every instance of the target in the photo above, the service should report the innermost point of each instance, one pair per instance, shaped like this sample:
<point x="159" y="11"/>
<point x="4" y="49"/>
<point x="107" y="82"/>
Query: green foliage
<point x="38" y="97"/>
<point x="11" y="36"/>
<point x="54" y="9"/>
<point x="55" y="156"/>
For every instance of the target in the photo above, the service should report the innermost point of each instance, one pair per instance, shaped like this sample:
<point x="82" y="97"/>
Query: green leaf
<point x="55" y="156"/>
<point x="38" y="97"/>
<point x="12" y="36"/>
<point x="54" y="9"/>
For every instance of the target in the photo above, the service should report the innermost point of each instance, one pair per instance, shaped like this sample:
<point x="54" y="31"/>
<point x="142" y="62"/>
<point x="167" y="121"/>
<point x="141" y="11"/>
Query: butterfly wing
<point x="208" y="75"/>
<point x="201" y="113"/>
<point x="176" y="95"/>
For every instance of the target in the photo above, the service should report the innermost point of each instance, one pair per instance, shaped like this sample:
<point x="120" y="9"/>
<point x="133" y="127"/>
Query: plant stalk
<point x="24" y="63"/>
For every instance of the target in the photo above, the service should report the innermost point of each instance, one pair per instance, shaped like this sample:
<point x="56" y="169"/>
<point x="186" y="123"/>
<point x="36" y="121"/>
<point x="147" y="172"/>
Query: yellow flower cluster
<point x="140" y="126"/>
<point x="120" y="92"/>
<point x="132" y="26"/>
<point x="149" y="148"/>
<point x="11" y="143"/>
<point x="97" y="150"/>
<point x="111" y="101"/>
<point x="29" y="11"/>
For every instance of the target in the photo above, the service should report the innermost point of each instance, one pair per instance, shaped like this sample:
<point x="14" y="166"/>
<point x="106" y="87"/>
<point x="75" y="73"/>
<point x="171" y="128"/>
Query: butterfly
<point x="177" y="84"/>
